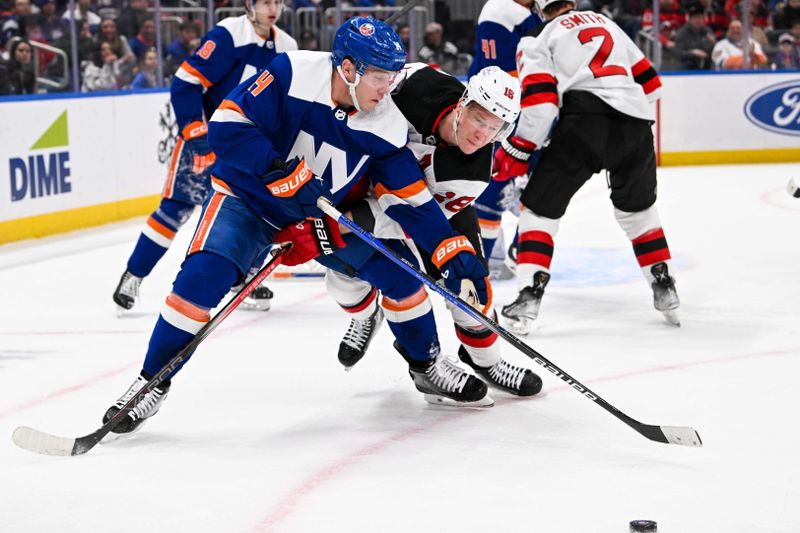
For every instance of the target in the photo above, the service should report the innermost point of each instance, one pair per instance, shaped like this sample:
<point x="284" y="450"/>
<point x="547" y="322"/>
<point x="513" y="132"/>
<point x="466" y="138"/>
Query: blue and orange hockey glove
<point x="196" y="153"/>
<point x="295" y="183"/>
<point x="463" y="273"/>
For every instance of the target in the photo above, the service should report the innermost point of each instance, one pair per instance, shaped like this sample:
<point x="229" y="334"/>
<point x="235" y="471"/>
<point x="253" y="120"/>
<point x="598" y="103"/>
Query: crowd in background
<point x="116" y="38"/>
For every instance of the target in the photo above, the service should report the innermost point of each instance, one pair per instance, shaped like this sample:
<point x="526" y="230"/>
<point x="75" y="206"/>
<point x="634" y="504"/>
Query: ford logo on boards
<point x="776" y="108"/>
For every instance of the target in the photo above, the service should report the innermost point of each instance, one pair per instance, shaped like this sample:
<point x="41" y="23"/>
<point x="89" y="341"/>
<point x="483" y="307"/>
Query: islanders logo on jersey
<point x="366" y="29"/>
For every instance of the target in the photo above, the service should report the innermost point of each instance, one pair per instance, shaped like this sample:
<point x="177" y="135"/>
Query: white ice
<point x="264" y="431"/>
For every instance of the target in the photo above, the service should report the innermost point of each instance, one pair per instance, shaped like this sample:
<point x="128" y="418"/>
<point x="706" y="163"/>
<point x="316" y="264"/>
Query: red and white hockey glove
<point x="464" y="274"/>
<point x="311" y="238"/>
<point x="511" y="158"/>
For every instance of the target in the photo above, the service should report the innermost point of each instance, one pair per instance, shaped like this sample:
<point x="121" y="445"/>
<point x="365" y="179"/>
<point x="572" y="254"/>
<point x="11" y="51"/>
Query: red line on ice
<point x="290" y="501"/>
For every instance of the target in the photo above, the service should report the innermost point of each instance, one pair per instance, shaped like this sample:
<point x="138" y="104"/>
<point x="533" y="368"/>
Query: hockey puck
<point x="643" y="526"/>
<point x="792" y="188"/>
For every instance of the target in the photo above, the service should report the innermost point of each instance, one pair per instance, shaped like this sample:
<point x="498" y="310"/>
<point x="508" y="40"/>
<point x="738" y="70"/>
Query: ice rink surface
<point x="264" y="431"/>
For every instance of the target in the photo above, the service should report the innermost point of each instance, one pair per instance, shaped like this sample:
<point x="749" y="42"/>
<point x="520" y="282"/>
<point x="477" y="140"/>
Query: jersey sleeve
<point x="401" y="192"/>
<point x="204" y="68"/>
<point x="242" y="128"/>
<point x="642" y="70"/>
<point x="494" y="46"/>
<point x="539" y="90"/>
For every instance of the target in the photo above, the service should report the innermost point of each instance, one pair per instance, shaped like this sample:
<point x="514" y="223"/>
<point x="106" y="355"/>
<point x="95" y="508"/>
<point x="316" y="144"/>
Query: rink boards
<point x="76" y="161"/>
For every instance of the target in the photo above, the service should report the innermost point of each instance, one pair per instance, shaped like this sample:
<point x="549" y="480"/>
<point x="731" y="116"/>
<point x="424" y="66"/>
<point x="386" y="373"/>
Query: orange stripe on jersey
<point x="196" y="73"/>
<point x="449" y="248"/>
<point x="160" y="228"/>
<point x="486" y="223"/>
<point x="173" y="165"/>
<point x="233" y="106"/>
<point x="187" y="309"/>
<point x="222" y="185"/>
<point x="406" y="192"/>
<point x="203" y="228"/>
<point x="406" y="303"/>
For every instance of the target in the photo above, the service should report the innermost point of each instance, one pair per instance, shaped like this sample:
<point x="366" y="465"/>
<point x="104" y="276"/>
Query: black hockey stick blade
<point x="37" y="441"/>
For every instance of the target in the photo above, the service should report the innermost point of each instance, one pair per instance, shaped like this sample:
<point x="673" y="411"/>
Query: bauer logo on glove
<point x="310" y="238"/>
<point x="289" y="185"/>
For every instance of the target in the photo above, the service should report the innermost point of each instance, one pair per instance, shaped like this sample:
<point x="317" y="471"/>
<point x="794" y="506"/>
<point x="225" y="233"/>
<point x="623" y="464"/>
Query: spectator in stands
<point x="728" y="53"/>
<point x="404" y="32"/>
<point x="51" y="24"/>
<point x="695" y="40"/>
<point x="308" y="41"/>
<point x="103" y="72"/>
<point x="109" y="8"/>
<point x="788" y="55"/>
<point x="757" y="32"/>
<point x="16" y="74"/>
<point x="787" y="15"/>
<point x="86" y="44"/>
<point x="627" y="14"/>
<point x="147" y="77"/>
<point x="715" y="17"/>
<point x="131" y="18"/>
<point x="119" y="47"/>
<point x="82" y="13"/>
<point x="181" y="48"/>
<point x="437" y="52"/>
<point x="144" y="40"/>
<point x="13" y="27"/>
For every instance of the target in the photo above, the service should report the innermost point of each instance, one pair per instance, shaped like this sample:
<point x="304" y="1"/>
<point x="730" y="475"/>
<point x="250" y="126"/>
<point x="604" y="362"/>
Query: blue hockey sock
<point x="157" y="235"/>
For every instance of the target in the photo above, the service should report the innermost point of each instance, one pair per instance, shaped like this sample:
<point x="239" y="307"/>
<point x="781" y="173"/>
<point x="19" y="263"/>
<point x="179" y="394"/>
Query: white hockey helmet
<point x="542" y="4"/>
<point x="498" y="92"/>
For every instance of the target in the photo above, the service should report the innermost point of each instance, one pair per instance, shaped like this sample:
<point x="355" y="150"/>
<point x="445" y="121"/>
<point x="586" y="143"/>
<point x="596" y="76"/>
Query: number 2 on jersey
<point x="597" y="65"/>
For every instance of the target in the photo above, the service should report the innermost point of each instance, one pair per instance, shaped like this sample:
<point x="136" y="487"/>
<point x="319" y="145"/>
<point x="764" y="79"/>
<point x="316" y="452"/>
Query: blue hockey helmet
<point x="368" y="42"/>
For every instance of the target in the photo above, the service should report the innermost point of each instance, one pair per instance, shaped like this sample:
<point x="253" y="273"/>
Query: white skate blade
<point x="443" y="401"/>
<point x="249" y="306"/>
<point x="672" y="317"/>
<point x="520" y="326"/>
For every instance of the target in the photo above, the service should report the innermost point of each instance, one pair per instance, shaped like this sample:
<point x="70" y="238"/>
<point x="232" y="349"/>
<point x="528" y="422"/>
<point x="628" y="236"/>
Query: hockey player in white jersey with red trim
<point x="581" y="70"/>
<point x="451" y="131"/>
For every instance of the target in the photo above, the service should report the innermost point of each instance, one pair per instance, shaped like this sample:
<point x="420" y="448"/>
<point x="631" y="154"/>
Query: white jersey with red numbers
<point x="581" y="51"/>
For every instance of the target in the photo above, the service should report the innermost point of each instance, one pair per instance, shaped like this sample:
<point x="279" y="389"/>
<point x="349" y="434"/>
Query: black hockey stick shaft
<point x="84" y="444"/>
<point x="665" y="434"/>
<point x="411" y="4"/>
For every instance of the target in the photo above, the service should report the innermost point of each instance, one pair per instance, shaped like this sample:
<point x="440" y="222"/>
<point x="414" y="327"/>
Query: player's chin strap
<point x="351" y="86"/>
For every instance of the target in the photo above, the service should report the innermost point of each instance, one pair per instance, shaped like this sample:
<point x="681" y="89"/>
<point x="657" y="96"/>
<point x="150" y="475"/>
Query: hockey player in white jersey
<point x="580" y="69"/>
<point x="451" y="131"/>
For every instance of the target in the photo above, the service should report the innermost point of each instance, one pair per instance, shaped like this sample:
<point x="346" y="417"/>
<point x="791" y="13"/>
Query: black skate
<point x="524" y="310"/>
<point x="147" y="406"/>
<point x="127" y="292"/>
<point x="504" y="376"/>
<point x="665" y="297"/>
<point x="356" y="341"/>
<point x="258" y="300"/>
<point x="443" y="382"/>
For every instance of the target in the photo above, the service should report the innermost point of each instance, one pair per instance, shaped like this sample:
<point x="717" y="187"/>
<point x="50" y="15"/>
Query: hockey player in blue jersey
<point x="230" y="53"/>
<point x="501" y="24"/>
<point x="307" y="127"/>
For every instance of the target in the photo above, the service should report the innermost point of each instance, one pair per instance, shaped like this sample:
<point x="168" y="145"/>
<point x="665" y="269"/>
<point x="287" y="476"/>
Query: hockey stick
<point x="411" y="4"/>
<point x="40" y="442"/>
<point x="684" y="436"/>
